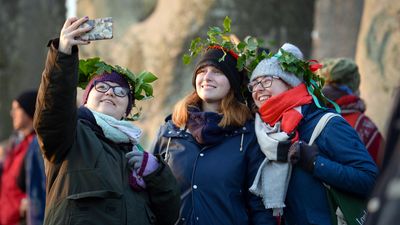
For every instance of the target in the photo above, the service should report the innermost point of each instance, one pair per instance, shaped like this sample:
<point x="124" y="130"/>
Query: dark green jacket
<point x="87" y="174"/>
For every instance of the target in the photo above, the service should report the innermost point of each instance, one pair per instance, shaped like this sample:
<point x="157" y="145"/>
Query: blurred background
<point x="154" y="34"/>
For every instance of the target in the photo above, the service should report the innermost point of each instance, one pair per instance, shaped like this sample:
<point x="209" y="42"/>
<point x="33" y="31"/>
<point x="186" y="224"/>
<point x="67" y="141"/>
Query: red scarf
<point x="281" y="108"/>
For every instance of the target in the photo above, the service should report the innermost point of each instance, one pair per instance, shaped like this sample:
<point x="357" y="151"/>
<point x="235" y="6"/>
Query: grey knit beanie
<point x="271" y="67"/>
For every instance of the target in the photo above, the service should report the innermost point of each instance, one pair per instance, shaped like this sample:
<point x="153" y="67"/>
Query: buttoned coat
<point x="214" y="179"/>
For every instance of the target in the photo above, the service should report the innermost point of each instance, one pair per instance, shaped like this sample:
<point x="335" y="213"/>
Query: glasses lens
<point x="266" y="83"/>
<point x="101" y="87"/>
<point x="120" y="91"/>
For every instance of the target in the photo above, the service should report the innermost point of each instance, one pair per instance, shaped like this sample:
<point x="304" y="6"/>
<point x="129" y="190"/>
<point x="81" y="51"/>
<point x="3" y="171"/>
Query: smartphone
<point x="102" y="29"/>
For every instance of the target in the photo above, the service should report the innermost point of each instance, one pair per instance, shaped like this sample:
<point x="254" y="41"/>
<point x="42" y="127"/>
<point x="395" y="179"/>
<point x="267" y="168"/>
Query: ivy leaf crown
<point x="246" y="51"/>
<point x="306" y="71"/>
<point x="140" y="85"/>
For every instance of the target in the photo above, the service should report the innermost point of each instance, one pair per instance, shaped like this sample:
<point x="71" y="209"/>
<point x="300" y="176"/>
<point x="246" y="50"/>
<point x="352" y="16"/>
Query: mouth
<point x="263" y="98"/>
<point x="206" y="86"/>
<point x="108" y="101"/>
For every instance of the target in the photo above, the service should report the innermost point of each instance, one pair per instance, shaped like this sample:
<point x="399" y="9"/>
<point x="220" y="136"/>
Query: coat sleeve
<point x="258" y="214"/>
<point x="56" y="113"/>
<point x="164" y="194"/>
<point x="344" y="161"/>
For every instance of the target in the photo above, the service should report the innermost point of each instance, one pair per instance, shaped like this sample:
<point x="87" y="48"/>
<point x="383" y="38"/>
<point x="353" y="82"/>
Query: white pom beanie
<point x="272" y="67"/>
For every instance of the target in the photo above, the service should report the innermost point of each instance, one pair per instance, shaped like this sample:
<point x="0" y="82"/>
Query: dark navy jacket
<point x="343" y="162"/>
<point x="215" y="179"/>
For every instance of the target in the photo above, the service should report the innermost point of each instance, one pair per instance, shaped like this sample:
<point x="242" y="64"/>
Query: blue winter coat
<point x="343" y="163"/>
<point x="215" y="179"/>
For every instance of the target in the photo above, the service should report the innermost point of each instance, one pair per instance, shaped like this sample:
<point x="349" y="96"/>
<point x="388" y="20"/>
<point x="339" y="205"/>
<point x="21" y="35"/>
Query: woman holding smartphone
<point x="92" y="165"/>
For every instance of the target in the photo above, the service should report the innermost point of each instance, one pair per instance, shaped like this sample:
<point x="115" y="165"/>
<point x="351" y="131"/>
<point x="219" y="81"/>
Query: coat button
<point x="244" y="128"/>
<point x="201" y="154"/>
<point x="194" y="186"/>
<point x="197" y="218"/>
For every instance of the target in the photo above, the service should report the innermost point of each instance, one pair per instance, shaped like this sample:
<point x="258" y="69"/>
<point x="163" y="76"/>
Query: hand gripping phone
<point x="102" y="29"/>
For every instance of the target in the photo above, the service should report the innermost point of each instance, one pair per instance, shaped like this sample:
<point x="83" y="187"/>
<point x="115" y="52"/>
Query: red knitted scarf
<point x="281" y="108"/>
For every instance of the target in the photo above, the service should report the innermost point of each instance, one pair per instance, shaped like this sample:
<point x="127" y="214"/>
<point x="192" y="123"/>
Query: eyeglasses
<point x="104" y="87"/>
<point x="265" y="83"/>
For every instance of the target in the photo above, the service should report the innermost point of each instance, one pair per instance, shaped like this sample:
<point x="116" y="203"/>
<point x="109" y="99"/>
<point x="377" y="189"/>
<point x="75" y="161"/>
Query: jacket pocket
<point x="150" y="215"/>
<point x="96" y="207"/>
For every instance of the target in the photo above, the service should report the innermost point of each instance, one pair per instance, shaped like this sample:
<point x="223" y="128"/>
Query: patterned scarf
<point x="119" y="131"/>
<point x="204" y="126"/>
<point x="285" y="108"/>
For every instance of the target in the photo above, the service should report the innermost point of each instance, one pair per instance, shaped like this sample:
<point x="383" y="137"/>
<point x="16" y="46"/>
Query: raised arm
<point x="55" y="116"/>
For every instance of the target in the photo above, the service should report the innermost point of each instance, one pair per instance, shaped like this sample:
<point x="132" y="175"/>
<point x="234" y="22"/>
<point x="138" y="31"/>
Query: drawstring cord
<point x="166" y="158"/>
<point x="241" y="142"/>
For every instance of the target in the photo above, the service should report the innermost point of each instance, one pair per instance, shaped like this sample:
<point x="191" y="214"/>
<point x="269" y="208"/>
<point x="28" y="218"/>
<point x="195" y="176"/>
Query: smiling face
<point x="211" y="86"/>
<point x="261" y="94"/>
<point x="107" y="103"/>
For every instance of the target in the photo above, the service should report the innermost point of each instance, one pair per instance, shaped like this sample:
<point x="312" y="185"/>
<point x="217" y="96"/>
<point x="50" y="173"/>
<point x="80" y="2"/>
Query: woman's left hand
<point x="141" y="161"/>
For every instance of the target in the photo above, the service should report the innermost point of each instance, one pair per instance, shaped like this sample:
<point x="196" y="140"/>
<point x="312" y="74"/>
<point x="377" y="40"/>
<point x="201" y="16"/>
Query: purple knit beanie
<point x="112" y="77"/>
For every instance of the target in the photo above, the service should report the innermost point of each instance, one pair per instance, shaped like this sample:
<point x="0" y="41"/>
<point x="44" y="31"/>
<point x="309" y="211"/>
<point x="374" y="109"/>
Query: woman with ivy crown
<point x="286" y="117"/>
<point x="210" y="145"/>
<point x="96" y="171"/>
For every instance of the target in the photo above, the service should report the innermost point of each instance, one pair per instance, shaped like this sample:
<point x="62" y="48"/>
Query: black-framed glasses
<point x="103" y="87"/>
<point x="265" y="82"/>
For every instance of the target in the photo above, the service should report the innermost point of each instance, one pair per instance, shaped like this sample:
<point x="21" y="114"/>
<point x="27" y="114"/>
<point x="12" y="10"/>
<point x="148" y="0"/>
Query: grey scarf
<point x="272" y="179"/>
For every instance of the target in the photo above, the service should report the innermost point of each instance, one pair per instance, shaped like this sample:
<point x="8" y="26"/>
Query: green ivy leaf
<point x="227" y="24"/>
<point x="186" y="59"/>
<point x="148" y="90"/>
<point x="147" y="77"/>
<point x="252" y="44"/>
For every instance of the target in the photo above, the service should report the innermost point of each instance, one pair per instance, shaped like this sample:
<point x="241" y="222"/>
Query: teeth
<point x="263" y="98"/>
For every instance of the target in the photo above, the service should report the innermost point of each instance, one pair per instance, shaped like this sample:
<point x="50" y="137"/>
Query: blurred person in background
<point x="342" y="86"/>
<point x="14" y="201"/>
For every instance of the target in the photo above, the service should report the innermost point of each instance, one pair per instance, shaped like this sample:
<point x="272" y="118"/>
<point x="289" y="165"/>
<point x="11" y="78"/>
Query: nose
<point x="110" y="92"/>
<point x="208" y="74"/>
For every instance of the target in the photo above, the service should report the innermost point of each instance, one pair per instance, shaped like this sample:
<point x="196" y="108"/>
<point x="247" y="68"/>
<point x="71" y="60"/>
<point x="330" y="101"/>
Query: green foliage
<point x="246" y="50"/>
<point x="141" y="87"/>
<point x="302" y="69"/>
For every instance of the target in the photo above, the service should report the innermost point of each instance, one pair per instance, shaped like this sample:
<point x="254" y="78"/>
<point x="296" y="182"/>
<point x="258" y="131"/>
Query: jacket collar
<point x="170" y="130"/>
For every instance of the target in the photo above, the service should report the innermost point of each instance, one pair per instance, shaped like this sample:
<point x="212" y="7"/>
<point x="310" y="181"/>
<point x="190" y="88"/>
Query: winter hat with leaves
<point x="112" y="77"/>
<point x="212" y="57"/>
<point x="341" y="71"/>
<point x="272" y="67"/>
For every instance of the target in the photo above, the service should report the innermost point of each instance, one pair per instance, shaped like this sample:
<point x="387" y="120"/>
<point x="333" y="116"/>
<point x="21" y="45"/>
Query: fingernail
<point x="86" y="17"/>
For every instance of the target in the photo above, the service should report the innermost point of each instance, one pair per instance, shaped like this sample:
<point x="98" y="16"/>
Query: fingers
<point x="135" y="158"/>
<point x="69" y="21"/>
<point x="134" y="153"/>
<point x="135" y="162"/>
<point x="294" y="153"/>
<point x="70" y="32"/>
<point x="78" y="22"/>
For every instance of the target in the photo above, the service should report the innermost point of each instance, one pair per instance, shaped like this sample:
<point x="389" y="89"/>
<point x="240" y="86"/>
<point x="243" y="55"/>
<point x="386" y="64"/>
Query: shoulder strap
<point x="320" y="126"/>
